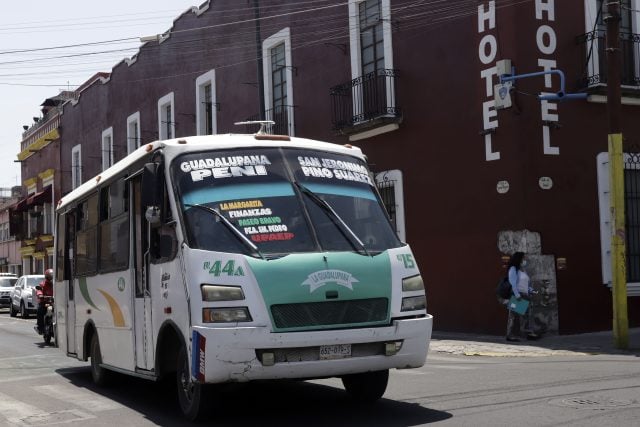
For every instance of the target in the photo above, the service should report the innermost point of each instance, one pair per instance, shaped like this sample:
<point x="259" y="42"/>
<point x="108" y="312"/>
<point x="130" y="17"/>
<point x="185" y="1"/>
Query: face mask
<point x="524" y="263"/>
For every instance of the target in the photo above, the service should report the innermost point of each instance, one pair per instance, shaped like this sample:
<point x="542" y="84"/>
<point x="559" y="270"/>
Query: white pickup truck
<point x="23" y="295"/>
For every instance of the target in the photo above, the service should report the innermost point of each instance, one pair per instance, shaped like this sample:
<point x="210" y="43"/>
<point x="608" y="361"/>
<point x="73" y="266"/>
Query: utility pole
<point x="616" y="163"/>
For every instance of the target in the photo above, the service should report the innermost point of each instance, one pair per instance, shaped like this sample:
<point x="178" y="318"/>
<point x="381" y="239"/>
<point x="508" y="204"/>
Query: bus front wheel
<point x="366" y="387"/>
<point x="191" y="395"/>
<point x="100" y="375"/>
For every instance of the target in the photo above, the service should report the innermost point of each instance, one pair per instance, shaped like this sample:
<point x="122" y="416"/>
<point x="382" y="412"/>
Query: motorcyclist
<point x="46" y="289"/>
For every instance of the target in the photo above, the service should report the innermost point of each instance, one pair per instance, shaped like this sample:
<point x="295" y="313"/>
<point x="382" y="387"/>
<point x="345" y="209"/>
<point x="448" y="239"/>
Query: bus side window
<point x="164" y="243"/>
<point x="114" y="227"/>
<point x="87" y="237"/>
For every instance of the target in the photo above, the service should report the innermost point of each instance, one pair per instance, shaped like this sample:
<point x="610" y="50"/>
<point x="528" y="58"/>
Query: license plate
<point x="337" y="351"/>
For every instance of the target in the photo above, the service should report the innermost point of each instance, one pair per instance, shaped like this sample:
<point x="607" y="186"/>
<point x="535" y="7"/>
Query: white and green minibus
<point x="231" y="258"/>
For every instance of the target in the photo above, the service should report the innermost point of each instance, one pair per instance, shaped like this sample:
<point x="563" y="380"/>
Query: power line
<point x="5" y="52"/>
<point x="65" y="56"/>
<point x="37" y="85"/>
<point x="413" y="21"/>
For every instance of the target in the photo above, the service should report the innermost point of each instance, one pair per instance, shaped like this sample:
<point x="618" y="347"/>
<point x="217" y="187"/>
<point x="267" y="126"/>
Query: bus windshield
<point x="279" y="201"/>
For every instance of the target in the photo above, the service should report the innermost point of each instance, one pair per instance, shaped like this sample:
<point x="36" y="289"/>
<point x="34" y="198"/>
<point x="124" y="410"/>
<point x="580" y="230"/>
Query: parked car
<point x="7" y="282"/>
<point x="23" y="295"/>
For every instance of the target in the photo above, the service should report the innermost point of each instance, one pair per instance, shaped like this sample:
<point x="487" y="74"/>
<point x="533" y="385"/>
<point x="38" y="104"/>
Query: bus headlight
<point x="225" y="315"/>
<point x="414" y="303"/>
<point x="413" y="283"/>
<point x="221" y="293"/>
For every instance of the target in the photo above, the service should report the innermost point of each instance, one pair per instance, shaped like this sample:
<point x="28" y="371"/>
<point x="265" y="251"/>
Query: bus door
<point x="143" y="332"/>
<point x="71" y="303"/>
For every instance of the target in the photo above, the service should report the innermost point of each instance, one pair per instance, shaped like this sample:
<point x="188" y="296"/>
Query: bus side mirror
<point x="165" y="246"/>
<point x="150" y="193"/>
<point x="152" y="215"/>
<point x="150" y="185"/>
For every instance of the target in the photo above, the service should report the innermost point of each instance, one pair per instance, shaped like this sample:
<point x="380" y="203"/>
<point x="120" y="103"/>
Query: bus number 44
<point x="229" y="268"/>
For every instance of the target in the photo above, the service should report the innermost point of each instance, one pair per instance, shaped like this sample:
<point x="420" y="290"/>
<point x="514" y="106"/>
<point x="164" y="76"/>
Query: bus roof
<point x="174" y="147"/>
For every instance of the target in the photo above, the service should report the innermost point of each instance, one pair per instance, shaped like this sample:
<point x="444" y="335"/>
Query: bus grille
<point x="329" y="313"/>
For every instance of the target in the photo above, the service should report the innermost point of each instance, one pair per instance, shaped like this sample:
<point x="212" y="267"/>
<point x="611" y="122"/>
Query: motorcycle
<point x="47" y="321"/>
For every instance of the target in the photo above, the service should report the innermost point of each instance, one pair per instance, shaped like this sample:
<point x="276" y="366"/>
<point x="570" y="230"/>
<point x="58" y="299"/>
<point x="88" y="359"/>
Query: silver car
<point x="7" y="283"/>
<point x="23" y="295"/>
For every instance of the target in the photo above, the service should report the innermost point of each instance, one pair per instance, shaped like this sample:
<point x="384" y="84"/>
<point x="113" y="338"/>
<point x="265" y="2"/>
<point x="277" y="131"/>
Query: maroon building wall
<point x="453" y="211"/>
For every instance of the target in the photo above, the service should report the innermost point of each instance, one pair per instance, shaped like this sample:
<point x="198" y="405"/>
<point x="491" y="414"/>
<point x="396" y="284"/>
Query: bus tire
<point x="366" y="387"/>
<point x="100" y="375"/>
<point x="191" y="395"/>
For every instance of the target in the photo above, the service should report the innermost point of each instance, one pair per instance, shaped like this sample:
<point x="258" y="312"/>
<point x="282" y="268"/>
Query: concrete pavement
<point x="549" y="345"/>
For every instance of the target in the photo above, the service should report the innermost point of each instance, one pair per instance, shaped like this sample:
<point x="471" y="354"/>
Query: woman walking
<point x="519" y="281"/>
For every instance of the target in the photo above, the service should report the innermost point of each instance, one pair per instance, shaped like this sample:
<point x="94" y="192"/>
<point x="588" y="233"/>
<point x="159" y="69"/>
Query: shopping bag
<point x="518" y="305"/>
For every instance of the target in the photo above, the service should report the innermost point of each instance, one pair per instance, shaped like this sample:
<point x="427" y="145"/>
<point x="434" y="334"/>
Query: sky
<point x="28" y="78"/>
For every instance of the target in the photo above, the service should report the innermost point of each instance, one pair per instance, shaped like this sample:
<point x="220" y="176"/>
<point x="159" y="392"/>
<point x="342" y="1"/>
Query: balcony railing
<point x="282" y="115"/>
<point x="365" y="101"/>
<point x="595" y="58"/>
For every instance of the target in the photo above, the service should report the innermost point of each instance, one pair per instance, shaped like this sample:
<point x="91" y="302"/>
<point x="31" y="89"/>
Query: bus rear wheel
<point x="191" y="394"/>
<point x="366" y="387"/>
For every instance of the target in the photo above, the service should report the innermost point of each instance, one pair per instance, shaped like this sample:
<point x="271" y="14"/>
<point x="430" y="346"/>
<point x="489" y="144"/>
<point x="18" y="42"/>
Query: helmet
<point x="48" y="274"/>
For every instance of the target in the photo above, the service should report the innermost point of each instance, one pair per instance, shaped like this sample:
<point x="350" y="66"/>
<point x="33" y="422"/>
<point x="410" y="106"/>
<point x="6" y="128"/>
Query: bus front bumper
<point x="251" y="353"/>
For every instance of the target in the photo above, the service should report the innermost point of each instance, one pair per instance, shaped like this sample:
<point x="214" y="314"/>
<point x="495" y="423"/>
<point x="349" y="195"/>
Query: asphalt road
<point x="41" y="386"/>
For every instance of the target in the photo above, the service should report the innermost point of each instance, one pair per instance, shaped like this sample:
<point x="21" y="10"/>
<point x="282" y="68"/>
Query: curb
<point x="470" y="348"/>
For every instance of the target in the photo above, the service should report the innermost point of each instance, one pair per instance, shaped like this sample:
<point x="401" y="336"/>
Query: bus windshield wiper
<point x="248" y="243"/>
<point x="327" y="208"/>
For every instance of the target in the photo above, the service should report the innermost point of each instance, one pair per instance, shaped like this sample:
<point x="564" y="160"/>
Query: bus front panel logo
<point x="320" y="278"/>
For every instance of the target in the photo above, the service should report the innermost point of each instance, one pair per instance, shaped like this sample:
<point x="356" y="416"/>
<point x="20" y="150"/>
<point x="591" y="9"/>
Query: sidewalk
<point x="549" y="345"/>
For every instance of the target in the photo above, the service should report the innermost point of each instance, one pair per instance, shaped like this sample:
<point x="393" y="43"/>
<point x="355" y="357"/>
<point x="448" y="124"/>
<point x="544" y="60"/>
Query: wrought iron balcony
<point x="595" y="59"/>
<point x="365" y="102"/>
<point x="282" y="115"/>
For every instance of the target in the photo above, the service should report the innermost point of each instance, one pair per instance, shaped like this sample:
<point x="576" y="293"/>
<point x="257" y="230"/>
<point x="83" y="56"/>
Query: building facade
<point x="411" y="83"/>
<point x="32" y="220"/>
<point x="10" y="257"/>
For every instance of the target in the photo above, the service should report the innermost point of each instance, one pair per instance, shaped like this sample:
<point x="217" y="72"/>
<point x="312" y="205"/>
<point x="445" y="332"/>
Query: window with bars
<point x="166" y="117"/>
<point x="168" y="122"/>
<point x="595" y="41"/>
<point x="632" y="220"/>
<point x="206" y="105"/>
<point x="133" y="132"/>
<point x="76" y="166"/>
<point x="107" y="148"/>
<point x="626" y="24"/>
<point x="47" y="224"/>
<point x="208" y="109"/>
<point x="278" y="77"/>
<point x="627" y="44"/>
<point x="390" y="188"/>
<point x="388" y="196"/>
<point x="371" y="36"/>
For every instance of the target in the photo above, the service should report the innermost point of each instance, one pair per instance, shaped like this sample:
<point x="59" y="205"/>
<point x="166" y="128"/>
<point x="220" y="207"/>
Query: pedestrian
<point x="519" y="281"/>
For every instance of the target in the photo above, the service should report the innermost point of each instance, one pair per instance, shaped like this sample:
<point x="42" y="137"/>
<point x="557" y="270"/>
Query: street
<point x="41" y="386"/>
